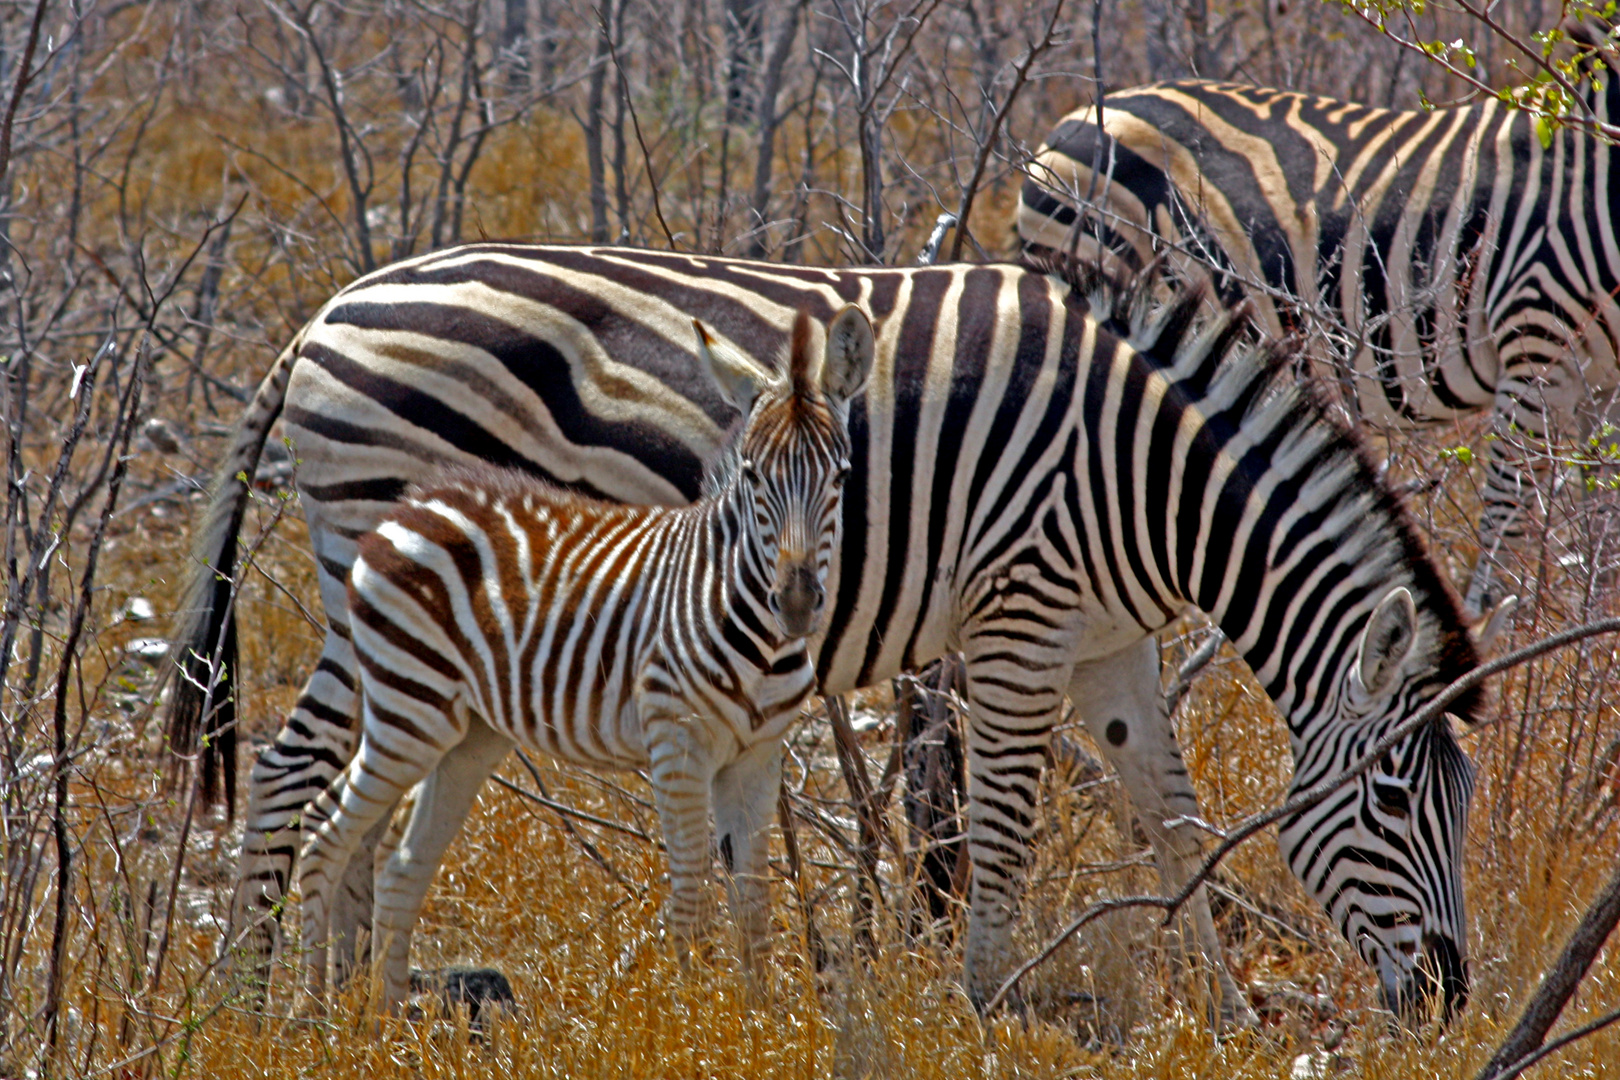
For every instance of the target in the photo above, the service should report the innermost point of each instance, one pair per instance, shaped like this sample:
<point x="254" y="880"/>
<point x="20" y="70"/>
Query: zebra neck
<point x="1298" y="545"/>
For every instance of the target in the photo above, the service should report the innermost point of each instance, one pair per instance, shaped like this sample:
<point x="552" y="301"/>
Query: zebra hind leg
<point x="357" y="801"/>
<point x="312" y="746"/>
<point x="1120" y="699"/>
<point x="745" y="794"/>
<point x="441" y="804"/>
<point x="350" y="921"/>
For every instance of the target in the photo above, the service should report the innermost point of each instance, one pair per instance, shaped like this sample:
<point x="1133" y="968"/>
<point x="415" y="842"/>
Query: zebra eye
<point x="841" y="473"/>
<point x="749" y="473"/>
<point x="1391" y="797"/>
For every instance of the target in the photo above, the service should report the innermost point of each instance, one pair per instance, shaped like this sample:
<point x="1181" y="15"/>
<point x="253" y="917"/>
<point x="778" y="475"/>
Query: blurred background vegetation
<point x="188" y="181"/>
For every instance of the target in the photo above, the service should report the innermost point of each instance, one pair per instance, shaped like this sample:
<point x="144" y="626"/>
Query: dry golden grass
<point x="600" y="994"/>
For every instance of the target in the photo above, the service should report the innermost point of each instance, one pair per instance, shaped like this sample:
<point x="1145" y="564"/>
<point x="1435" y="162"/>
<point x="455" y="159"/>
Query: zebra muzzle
<point x="798" y="600"/>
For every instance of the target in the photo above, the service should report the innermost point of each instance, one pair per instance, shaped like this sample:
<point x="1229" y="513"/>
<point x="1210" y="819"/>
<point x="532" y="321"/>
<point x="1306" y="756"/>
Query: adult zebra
<point x="1466" y="266"/>
<point x="1027" y="489"/>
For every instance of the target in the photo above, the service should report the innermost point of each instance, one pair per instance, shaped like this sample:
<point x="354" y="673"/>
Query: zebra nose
<point x="797" y="601"/>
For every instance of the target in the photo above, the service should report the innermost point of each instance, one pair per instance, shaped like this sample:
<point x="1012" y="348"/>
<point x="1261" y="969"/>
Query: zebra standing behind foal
<point x="1037" y="483"/>
<point x="1464" y="265"/>
<point x="493" y="609"/>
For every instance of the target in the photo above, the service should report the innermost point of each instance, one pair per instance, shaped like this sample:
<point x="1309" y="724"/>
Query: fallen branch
<point x="1428" y="714"/>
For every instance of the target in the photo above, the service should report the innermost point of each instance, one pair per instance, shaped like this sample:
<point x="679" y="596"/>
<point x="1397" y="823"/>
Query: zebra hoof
<point x="484" y="991"/>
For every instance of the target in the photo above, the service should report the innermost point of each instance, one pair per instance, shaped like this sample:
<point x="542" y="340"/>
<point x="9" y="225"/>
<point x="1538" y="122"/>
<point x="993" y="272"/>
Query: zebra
<point x="1463" y="265"/>
<point x="1029" y="488"/>
<point x="491" y="608"/>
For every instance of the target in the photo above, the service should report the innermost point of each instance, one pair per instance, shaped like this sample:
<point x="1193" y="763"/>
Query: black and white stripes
<point x="492" y="609"/>
<point x="1462" y="265"/>
<point x="1037" y="481"/>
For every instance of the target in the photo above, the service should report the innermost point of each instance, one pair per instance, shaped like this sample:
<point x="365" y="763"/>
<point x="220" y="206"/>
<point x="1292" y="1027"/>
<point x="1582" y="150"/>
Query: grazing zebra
<point x="1466" y="266"/>
<point x="492" y="608"/>
<point x="1027" y="488"/>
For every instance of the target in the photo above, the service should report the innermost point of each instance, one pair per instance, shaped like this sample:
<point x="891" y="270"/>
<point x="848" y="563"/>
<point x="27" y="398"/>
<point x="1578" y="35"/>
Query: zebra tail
<point x="200" y="713"/>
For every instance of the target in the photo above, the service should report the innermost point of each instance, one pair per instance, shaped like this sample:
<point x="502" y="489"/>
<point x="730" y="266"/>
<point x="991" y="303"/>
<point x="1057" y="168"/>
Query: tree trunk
<point x="769" y="121"/>
<point x="593" y="124"/>
<point x="935" y="788"/>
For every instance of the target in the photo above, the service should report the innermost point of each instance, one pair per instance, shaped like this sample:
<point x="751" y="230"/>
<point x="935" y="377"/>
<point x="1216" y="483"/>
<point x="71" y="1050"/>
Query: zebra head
<point x="1383" y="854"/>
<point x="794" y="456"/>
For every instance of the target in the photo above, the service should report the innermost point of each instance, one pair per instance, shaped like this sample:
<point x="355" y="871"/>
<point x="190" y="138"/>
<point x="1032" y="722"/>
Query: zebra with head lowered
<point x="1467" y="266"/>
<point x="492" y="608"/>
<point x="1027" y="488"/>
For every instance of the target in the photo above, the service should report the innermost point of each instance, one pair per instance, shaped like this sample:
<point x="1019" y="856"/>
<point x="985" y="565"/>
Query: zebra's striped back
<point x="1448" y="260"/>
<point x="1449" y="245"/>
<point x="665" y="639"/>
<point x="1038" y="480"/>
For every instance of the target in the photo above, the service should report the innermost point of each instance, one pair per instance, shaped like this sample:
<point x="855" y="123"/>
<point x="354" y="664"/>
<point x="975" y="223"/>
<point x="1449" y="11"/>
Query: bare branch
<point x="1519" y="1050"/>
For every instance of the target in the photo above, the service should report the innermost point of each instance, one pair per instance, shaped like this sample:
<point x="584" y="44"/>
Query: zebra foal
<point x="492" y="609"/>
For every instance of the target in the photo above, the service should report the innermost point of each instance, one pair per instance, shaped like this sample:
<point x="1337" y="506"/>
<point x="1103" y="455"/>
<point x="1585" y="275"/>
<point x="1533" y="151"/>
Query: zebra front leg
<point x="439" y="808"/>
<point x="1120" y="699"/>
<point x="682" y="773"/>
<point x="1013" y="700"/>
<point x="745" y="793"/>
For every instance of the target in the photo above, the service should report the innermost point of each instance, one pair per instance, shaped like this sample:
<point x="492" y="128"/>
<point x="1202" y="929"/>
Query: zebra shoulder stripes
<point x="1037" y="483"/>
<point x="492" y="608"/>
<point x="1459" y="264"/>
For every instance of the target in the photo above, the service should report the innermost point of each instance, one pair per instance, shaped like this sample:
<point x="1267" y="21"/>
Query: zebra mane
<point x="718" y="473"/>
<point x="1224" y="357"/>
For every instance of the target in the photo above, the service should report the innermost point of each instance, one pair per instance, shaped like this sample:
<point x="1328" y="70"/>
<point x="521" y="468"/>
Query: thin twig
<point x="635" y="124"/>
<point x="1559" y="1043"/>
<point x="853" y="765"/>
<point x="25" y="75"/>
<point x="982" y="160"/>
<point x="569" y="811"/>
<point x="589" y="848"/>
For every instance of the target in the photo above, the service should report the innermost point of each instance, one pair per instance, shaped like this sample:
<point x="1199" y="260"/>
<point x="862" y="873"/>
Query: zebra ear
<point x="848" y="359"/>
<point x="1388" y="640"/>
<point x="1490" y="625"/>
<point x="738" y="377"/>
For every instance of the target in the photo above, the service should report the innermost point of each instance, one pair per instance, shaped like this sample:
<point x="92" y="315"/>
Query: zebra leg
<point x="441" y="805"/>
<point x="313" y="745"/>
<point x="745" y="794"/>
<point x="681" y="774"/>
<point x="1014" y="692"/>
<point x="352" y="905"/>
<point x="332" y="858"/>
<point x="1123" y="705"/>
<point x="389" y="763"/>
<point x="1507" y="489"/>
